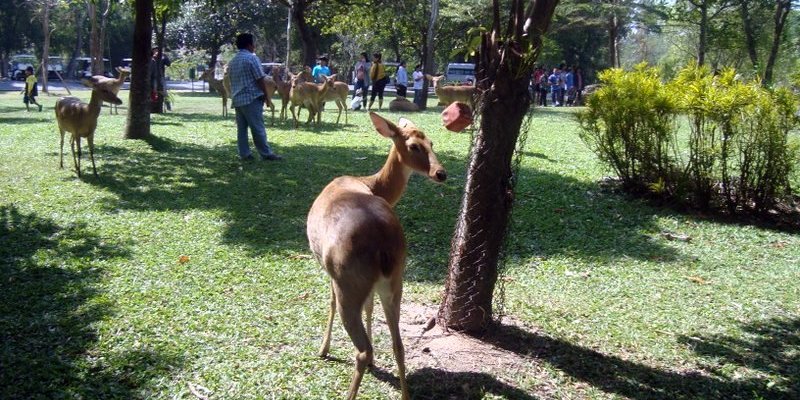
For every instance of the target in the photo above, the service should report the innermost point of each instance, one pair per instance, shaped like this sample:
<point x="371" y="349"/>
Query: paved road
<point x="57" y="86"/>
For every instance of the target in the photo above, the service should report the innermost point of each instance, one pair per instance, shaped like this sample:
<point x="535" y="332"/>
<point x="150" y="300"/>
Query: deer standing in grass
<point x="80" y="119"/>
<point x="283" y="88"/>
<point x="116" y="84"/>
<point x="356" y="236"/>
<point x="222" y="87"/>
<point x="309" y="95"/>
<point x="338" y="94"/>
<point x="450" y="94"/>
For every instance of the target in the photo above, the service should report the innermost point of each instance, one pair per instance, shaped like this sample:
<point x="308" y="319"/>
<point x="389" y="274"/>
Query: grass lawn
<point x="181" y="266"/>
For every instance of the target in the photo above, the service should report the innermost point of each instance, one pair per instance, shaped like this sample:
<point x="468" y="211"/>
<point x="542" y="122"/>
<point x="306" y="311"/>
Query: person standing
<point x="402" y="79"/>
<point x="555" y="86"/>
<point x="31" y="89"/>
<point x="379" y="80"/>
<point x="321" y="69"/>
<point x="158" y="82"/>
<point x="418" y="76"/>
<point x="361" y="80"/>
<point x="249" y="93"/>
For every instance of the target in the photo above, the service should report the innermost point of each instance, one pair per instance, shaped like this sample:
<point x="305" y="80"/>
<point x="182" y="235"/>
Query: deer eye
<point x="414" y="147"/>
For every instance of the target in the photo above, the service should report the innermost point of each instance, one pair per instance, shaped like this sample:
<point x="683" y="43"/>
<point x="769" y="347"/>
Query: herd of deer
<point x="352" y="227"/>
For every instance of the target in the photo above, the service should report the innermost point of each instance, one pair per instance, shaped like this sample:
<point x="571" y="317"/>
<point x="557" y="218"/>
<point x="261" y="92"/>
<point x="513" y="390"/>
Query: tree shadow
<point x="436" y="384"/>
<point x="259" y="199"/>
<point x="49" y="308"/>
<point x="771" y="348"/>
<point x="19" y="121"/>
<point x="616" y="375"/>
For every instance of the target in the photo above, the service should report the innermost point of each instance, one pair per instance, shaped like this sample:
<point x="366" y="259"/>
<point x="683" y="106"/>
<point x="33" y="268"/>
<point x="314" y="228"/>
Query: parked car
<point x="19" y="63"/>
<point x="460" y="72"/>
<point x="84" y="68"/>
<point x="55" y="67"/>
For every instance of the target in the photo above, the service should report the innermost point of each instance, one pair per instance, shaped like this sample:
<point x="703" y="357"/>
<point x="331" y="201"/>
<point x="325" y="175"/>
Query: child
<point x="31" y="90"/>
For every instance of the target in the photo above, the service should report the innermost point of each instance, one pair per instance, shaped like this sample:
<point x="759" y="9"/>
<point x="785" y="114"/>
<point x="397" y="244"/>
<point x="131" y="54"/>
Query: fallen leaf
<point x="183" y="259"/>
<point x="697" y="279"/>
<point x="675" y="236"/>
<point x="779" y="244"/>
<point x="300" y="256"/>
<point x="558" y="210"/>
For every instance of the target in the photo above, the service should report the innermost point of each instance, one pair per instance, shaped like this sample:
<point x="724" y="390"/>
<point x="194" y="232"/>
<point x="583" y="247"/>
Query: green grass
<point x="95" y="304"/>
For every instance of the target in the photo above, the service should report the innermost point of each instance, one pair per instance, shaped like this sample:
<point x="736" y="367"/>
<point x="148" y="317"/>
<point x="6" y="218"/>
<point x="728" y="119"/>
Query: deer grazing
<point x="116" y="84"/>
<point x="450" y="94"/>
<point x="222" y="87"/>
<point x="356" y="236"/>
<point x="308" y="95"/>
<point x="80" y="119"/>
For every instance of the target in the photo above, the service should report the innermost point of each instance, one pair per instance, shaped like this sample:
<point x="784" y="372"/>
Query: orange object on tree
<point x="457" y="116"/>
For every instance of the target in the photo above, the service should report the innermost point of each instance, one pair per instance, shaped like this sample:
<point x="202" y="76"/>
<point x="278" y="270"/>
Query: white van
<point x="460" y="72"/>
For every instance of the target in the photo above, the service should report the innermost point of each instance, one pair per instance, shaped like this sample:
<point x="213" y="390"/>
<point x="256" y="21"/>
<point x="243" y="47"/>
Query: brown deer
<point x="308" y="95"/>
<point x="450" y="94"/>
<point x="338" y="93"/>
<point x="283" y="88"/>
<point x="356" y="236"/>
<point x="80" y="119"/>
<point x="116" y="84"/>
<point x="403" y="105"/>
<point x="222" y="87"/>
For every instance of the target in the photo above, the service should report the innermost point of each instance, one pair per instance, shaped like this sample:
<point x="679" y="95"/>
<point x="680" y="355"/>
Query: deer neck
<point x="95" y="103"/>
<point x="391" y="181"/>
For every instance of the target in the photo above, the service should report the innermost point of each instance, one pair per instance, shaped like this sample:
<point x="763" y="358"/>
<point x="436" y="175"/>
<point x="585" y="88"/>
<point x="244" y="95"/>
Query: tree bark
<point x="138" y="126"/>
<point x="749" y="32"/>
<point x="157" y="74"/>
<point x="505" y="61"/>
<point x="703" y="40"/>
<point x="427" y="54"/>
<point x="782" y="9"/>
<point x="308" y="35"/>
<point x="613" y="37"/>
<point x="46" y="45"/>
<point x="76" y="51"/>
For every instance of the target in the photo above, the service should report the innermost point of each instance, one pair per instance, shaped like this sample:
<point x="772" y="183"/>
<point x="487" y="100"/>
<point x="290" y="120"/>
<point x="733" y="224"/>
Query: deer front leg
<point x="90" y="139"/>
<point x="76" y="140"/>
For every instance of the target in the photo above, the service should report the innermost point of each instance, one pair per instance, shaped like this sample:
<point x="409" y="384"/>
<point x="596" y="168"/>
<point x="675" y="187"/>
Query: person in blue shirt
<point x="555" y="86"/>
<point x="569" y="81"/>
<point x="249" y="93"/>
<point x="321" y="69"/>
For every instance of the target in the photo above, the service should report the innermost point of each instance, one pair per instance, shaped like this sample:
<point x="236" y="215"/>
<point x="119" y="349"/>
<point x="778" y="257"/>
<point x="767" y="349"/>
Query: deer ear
<point x="332" y="77"/>
<point x="88" y="82"/>
<point x="383" y="125"/>
<point x="406" y="124"/>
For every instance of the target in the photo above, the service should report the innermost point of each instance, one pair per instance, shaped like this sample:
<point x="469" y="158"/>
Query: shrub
<point x="629" y="123"/>
<point x="741" y="152"/>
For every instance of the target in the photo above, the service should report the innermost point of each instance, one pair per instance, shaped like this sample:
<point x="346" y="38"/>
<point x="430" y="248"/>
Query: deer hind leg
<point x="349" y="306"/>
<point x="90" y="139"/>
<point x="391" y="293"/>
<point x="369" y="306"/>
<point x="344" y="106"/>
<point x="326" y="339"/>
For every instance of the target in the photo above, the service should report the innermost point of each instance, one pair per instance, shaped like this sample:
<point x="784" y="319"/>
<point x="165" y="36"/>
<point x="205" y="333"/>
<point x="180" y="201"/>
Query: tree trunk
<point x="76" y="51"/>
<point x="505" y="62"/>
<point x="749" y="32"/>
<point x="703" y="40"/>
<point x="46" y="44"/>
<point x="427" y="54"/>
<point x="157" y="75"/>
<point x="138" y="126"/>
<point x="613" y="37"/>
<point x="97" y="35"/>
<point x="782" y="8"/>
<point x="308" y="36"/>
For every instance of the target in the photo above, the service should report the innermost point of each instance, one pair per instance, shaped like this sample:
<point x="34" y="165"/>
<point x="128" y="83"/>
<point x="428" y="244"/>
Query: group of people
<point x="564" y="84"/>
<point x="378" y="79"/>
